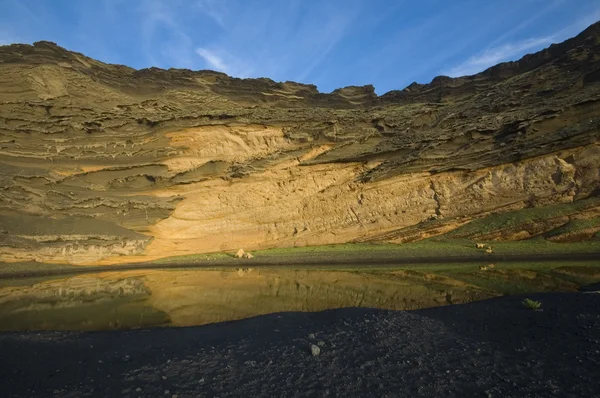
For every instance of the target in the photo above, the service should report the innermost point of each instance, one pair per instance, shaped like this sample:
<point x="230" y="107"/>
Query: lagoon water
<point x="186" y="297"/>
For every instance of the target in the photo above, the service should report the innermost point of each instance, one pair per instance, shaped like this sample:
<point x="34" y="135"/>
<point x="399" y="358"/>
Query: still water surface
<point x="185" y="297"/>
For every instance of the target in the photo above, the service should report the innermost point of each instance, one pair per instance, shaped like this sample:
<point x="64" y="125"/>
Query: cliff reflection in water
<point x="194" y="297"/>
<point x="185" y="297"/>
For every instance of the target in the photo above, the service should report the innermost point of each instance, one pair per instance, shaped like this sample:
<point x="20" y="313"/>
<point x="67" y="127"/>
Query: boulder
<point x="315" y="350"/>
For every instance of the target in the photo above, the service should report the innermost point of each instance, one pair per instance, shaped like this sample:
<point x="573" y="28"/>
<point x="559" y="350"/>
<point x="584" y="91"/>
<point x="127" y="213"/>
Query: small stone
<point x="321" y="344"/>
<point x="174" y="396"/>
<point x="138" y="389"/>
<point x="248" y="255"/>
<point x="167" y="392"/>
<point x="311" y="336"/>
<point x="250" y="363"/>
<point x="201" y="380"/>
<point x="164" y="377"/>
<point x="240" y="253"/>
<point x="315" y="350"/>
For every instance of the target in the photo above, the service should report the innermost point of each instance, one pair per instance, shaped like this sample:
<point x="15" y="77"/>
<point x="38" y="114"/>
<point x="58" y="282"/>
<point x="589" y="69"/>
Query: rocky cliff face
<point x="103" y="163"/>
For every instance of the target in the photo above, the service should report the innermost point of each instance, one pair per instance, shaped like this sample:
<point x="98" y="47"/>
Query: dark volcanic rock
<point x="491" y="348"/>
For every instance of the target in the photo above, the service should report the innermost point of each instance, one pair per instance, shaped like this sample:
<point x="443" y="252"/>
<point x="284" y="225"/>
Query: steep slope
<point x="103" y="163"/>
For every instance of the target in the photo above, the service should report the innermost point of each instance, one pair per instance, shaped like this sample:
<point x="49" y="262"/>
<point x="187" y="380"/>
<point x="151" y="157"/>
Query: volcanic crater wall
<point x="104" y="164"/>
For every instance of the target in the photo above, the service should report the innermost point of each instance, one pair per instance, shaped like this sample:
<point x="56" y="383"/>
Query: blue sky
<point x="330" y="43"/>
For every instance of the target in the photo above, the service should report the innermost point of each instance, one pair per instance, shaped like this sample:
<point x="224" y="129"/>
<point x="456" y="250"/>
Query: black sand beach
<point x="491" y="348"/>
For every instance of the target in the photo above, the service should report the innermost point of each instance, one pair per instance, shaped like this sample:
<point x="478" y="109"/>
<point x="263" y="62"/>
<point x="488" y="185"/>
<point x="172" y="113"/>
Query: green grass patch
<point x="512" y="219"/>
<point x="425" y="248"/>
<point x="192" y="258"/>
<point x="33" y="266"/>
<point x="541" y="246"/>
<point x="429" y="248"/>
<point x="575" y="225"/>
<point x="531" y="304"/>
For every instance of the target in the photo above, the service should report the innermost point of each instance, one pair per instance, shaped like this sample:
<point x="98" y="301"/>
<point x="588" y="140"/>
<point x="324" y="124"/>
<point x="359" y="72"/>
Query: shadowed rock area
<point x="492" y="348"/>
<point x="107" y="164"/>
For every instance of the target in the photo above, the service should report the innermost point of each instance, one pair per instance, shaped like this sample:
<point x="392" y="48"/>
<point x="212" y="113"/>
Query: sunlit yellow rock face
<point x="104" y="164"/>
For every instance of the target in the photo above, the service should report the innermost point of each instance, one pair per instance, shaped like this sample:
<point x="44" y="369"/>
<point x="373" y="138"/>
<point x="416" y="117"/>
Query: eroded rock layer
<point x="103" y="163"/>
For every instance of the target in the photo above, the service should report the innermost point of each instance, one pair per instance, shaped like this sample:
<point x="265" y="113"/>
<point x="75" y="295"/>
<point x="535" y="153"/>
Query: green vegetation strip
<point x="427" y="251"/>
<point x="511" y="219"/>
<point x="432" y="248"/>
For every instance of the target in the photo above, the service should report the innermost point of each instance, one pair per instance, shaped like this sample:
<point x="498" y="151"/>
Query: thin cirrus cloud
<point x="511" y="51"/>
<point x="493" y="56"/>
<point x="223" y="63"/>
<point x="214" y="9"/>
<point x="327" y="43"/>
<point x="164" y="42"/>
<point x="287" y="41"/>
<point x="213" y="60"/>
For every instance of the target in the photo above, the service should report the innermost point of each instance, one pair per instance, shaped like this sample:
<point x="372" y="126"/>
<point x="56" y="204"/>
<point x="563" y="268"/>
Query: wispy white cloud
<point x="287" y="41"/>
<point x="223" y="62"/>
<point x="328" y="43"/>
<point x="419" y="50"/>
<point x="214" y="9"/>
<point x="510" y="51"/>
<point x="325" y="40"/>
<point x="212" y="59"/>
<point x="493" y="56"/>
<point x="528" y="21"/>
<point x="163" y="36"/>
<point x="580" y="24"/>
